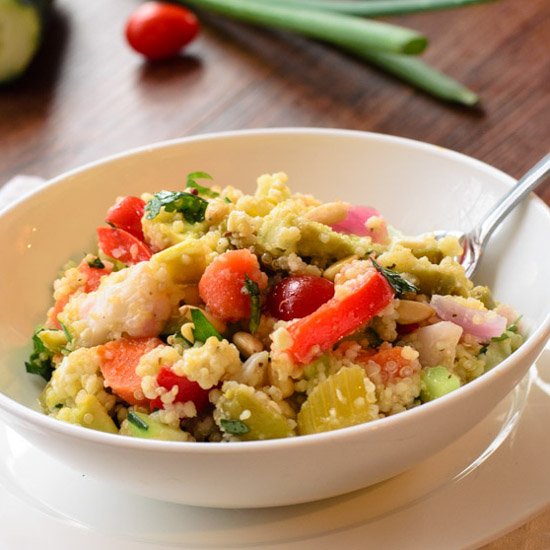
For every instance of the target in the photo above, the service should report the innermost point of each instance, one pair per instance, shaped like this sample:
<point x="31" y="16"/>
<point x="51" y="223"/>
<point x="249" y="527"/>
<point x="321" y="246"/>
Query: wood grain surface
<point x="87" y="95"/>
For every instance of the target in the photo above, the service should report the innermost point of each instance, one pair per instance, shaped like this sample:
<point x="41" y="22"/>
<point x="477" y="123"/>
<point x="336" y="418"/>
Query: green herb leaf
<point x="66" y="332"/>
<point x="398" y="283"/>
<point x="500" y="338"/>
<point x="514" y="326"/>
<point x="234" y="427"/>
<point x="191" y="206"/>
<point x="192" y="183"/>
<point x="137" y="421"/>
<point x="96" y="263"/>
<point x="40" y="361"/>
<point x="203" y="328"/>
<point x="253" y="290"/>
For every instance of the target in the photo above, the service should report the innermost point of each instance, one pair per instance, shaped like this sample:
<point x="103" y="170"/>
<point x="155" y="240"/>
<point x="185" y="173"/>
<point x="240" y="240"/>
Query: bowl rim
<point x="45" y="422"/>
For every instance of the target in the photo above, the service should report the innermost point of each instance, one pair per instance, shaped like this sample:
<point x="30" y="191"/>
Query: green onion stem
<point x="375" y="8"/>
<point x="416" y="72"/>
<point x="342" y="30"/>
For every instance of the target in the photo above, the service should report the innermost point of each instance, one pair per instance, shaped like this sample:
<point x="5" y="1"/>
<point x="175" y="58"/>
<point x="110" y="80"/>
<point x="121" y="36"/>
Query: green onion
<point x="419" y="74"/>
<point x="234" y="427"/>
<point x="137" y="421"/>
<point x="342" y="30"/>
<point x="375" y="8"/>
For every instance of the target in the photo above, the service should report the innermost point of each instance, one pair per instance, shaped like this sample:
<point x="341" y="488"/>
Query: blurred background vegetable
<point x="22" y="25"/>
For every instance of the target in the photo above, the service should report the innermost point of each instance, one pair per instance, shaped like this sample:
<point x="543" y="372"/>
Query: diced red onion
<point x="483" y="324"/>
<point x="355" y="224"/>
<point x="436" y="344"/>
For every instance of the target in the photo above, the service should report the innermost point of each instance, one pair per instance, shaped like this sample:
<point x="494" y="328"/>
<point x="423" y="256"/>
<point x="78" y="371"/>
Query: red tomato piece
<point x="187" y="390"/>
<point x="126" y="214"/>
<point x="339" y="317"/>
<point x="222" y="283"/>
<point x="159" y="31"/>
<point x="296" y="297"/>
<point x="122" y="246"/>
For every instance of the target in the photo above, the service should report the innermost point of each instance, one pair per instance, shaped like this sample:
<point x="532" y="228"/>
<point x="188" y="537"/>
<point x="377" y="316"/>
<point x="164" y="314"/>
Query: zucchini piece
<point x="21" y="29"/>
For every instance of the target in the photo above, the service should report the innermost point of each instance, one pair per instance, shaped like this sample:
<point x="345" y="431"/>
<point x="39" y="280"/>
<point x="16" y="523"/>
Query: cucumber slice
<point x="21" y="26"/>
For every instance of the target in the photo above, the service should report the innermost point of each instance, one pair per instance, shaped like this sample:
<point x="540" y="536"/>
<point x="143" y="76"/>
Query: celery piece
<point x="339" y="401"/>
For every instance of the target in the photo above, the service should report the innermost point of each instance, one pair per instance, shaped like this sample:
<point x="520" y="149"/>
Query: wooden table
<point x="88" y="95"/>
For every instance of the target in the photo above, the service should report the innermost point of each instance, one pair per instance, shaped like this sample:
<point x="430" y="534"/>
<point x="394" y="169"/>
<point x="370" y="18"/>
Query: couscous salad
<point x="208" y="314"/>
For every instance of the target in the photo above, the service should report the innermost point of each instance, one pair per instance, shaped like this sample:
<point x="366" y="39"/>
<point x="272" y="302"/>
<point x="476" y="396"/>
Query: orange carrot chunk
<point x="222" y="285"/>
<point x="342" y="315"/>
<point x="118" y="362"/>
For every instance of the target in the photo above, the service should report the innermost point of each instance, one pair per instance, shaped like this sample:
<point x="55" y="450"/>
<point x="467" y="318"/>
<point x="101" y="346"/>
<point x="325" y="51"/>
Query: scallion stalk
<point x="346" y="31"/>
<point x="375" y="8"/>
<point x="418" y="73"/>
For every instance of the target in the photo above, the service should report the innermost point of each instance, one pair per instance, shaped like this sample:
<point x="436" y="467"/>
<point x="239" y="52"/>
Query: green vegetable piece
<point x="398" y="283"/>
<point x="242" y="404"/>
<point x="191" y="206"/>
<point x="203" y="328"/>
<point x="144" y="426"/>
<point x="437" y="381"/>
<point x="22" y="26"/>
<point x="339" y="401"/>
<point x="40" y="361"/>
<point x="192" y="183"/>
<point x="92" y="414"/>
<point x="345" y="31"/>
<point x="234" y="427"/>
<point x="501" y="347"/>
<point x="96" y="263"/>
<point x="483" y="294"/>
<point x="253" y="290"/>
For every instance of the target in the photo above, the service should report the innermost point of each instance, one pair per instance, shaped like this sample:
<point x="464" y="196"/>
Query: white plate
<point x="488" y="482"/>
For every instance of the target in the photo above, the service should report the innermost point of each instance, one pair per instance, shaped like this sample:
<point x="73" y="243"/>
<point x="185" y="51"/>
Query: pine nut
<point x="328" y="213"/>
<point x="333" y="270"/>
<point x="285" y="384"/>
<point x="186" y="331"/>
<point x="409" y="311"/>
<point x="247" y="344"/>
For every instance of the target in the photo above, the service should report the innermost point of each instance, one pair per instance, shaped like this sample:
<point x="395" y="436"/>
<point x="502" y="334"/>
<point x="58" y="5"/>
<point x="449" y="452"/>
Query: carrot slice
<point x="340" y="316"/>
<point x="123" y="246"/>
<point x="119" y="360"/>
<point x="221" y="285"/>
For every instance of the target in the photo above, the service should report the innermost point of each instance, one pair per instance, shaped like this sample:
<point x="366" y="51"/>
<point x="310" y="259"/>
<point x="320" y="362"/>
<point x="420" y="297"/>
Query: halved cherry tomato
<point x="296" y="297"/>
<point x="187" y="390"/>
<point x="126" y="214"/>
<point x="159" y="31"/>
<point x="122" y="246"/>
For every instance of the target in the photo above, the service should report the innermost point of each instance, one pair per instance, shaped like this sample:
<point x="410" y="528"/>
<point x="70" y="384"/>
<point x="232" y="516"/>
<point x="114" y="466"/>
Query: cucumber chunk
<point x="437" y="381"/>
<point x="21" y="28"/>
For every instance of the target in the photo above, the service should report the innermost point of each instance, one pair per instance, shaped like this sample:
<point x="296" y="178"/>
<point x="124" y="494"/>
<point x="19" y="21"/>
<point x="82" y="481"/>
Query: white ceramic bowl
<point x="418" y="187"/>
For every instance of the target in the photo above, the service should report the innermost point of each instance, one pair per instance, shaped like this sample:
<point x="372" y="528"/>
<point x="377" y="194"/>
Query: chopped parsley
<point x="96" y="263"/>
<point x="234" y="427"/>
<point x="192" y="183"/>
<point x="398" y="283"/>
<point x="203" y="327"/>
<point x="251" y="288"/>
<point x="191" y="206"/>
<point x="40" y="361"/>
<point x="137" y="421"/>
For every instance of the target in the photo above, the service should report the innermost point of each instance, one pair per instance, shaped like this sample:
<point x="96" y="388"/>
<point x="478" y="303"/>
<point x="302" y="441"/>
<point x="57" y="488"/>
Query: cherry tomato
<point x="126" y="214"/>
<point x="187" y="390"/>
<point x="122" y="246"/>
<point x="296" y="297"/>
<point x="159" y="31"/>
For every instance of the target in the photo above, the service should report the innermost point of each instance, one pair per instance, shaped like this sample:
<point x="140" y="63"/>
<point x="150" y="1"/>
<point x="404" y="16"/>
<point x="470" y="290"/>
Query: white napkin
<point x="18" y="187"/>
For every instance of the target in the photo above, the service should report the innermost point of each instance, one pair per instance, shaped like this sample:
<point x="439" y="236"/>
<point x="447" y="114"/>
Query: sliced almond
<point x="409" y="311"/>
<point x="331" y="271"/>
<point x="328" y="213"/>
